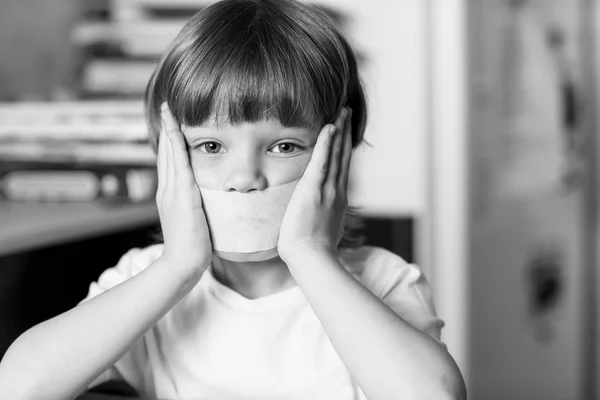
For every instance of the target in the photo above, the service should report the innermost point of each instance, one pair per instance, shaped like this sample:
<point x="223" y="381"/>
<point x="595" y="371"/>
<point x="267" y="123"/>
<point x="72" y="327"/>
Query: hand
<point x="184" y="226"/>
<point x="314" y="218"/>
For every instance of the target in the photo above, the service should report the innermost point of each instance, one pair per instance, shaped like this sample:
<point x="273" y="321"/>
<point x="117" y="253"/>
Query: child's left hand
<point x="314" y="218"/>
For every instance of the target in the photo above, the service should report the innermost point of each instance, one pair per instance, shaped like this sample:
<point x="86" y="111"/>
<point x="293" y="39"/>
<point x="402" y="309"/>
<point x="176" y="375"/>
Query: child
<point x="244" y="100"/>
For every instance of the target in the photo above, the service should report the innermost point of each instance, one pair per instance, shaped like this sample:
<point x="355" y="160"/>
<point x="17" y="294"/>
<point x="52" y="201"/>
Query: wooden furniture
<point x="29" y="226"/>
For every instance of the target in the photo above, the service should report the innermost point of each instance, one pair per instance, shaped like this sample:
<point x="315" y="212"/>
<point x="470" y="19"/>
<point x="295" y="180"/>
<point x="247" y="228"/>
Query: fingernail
<point x="163" y="110"/>
<point x="332" y="130"/>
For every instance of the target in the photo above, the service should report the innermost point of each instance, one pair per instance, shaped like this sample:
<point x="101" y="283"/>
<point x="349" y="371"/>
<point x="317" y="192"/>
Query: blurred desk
<point x="93" y="396"/>
<point x="28" y="226"/>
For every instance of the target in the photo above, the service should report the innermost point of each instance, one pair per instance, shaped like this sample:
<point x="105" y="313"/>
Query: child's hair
<point x="248" y="60"/>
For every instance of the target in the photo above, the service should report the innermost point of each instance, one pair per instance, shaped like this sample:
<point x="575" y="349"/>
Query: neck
<point x="253" y="279"/>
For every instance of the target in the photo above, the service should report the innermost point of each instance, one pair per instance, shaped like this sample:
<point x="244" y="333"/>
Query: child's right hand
<point x="185" y="230"/>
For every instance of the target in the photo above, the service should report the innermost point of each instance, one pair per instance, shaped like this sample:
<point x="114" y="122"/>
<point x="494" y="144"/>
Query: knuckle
<point x="316" y="197"/>
<point x="344" y="198"/>
<point x="173" y="133"/>
<point x="168" y="198"/>
<point x="329" y="193"/>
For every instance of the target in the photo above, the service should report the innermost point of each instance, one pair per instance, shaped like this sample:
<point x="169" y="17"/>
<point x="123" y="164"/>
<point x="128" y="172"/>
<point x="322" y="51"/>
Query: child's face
<point x="249" y="156"/>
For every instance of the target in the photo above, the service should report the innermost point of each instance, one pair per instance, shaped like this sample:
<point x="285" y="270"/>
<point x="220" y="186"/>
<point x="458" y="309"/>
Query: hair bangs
<point x="248" y="83"/>
<point x="250" y="60"/>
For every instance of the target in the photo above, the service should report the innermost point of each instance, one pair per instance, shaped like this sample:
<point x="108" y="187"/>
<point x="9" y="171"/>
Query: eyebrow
<point x="284" y="131"/>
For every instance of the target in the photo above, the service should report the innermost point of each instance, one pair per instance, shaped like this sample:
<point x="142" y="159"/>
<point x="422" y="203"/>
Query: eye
<point x="285" y="148"/>
<point x="210" y="147"/>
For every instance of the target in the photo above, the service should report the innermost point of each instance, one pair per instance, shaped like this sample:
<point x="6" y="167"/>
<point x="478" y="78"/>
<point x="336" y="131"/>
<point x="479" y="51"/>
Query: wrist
<point x="186" y="269"/>
<point x="305" y="251"/>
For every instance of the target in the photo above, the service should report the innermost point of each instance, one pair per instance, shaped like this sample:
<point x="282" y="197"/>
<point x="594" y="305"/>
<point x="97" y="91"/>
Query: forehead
<point x="265" y="127"/>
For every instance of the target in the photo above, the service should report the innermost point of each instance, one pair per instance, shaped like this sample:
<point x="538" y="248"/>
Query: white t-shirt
<point x="217" y="344"/>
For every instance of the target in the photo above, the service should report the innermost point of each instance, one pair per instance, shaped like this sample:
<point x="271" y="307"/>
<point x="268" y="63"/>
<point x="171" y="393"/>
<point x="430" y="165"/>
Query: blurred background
<point x="483" y="166"/>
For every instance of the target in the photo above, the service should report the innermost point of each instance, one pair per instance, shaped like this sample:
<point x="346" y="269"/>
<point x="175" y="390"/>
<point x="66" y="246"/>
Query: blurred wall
<point x="36" y="58"/>
<point x="526" y="226"/>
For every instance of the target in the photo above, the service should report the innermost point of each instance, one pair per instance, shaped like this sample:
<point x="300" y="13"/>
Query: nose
<point x="246" y="177"/>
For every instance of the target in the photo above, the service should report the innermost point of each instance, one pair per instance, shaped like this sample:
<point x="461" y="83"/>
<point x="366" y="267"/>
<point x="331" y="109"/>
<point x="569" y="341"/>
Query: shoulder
<point x="130" y="264"/>
<point x="377" y="267"/>
<point x="402" y="286"/>
<point x="136" y="260"/>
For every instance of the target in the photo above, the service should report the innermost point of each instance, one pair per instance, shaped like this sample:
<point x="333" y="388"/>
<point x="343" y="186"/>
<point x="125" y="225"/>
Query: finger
<point x="346" y="153"/>
<point x="336" y="149"/>
<point x="161" y="163"/>
<point x="171" y="128"/>
<point x="170" y="121"/>
<point x="181" y="160"/>
<point x="316" y="170"/>
<point x="170" y="175"/>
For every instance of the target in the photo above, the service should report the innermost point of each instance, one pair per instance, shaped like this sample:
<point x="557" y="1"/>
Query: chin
<point x="256" y="256"/>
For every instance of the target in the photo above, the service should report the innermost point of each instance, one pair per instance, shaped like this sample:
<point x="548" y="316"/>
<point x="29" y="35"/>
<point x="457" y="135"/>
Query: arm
<point x="58" y="358"/>
<point x="387" y="356"/>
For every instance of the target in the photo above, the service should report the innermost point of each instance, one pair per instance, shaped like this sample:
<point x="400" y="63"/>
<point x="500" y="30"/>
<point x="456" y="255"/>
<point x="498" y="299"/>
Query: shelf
<point x="29" y="226"/>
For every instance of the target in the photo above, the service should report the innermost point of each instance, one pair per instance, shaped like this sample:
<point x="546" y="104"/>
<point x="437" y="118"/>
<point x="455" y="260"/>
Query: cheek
<point x="206" y="175"/>
<point x="286" y="170"/>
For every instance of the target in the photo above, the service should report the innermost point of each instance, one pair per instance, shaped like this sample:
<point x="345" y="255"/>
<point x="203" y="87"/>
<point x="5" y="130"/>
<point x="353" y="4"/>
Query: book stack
<point x="123" y="41"/>
<point x="122" y="44"/>
<point x="95" y="147"/>
<point x="75" y="151"/>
